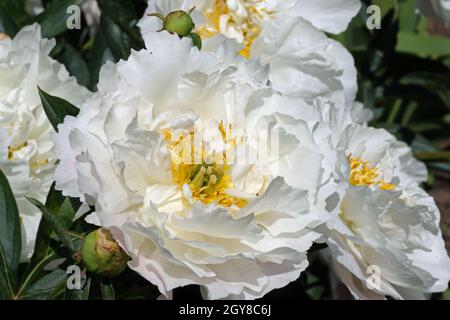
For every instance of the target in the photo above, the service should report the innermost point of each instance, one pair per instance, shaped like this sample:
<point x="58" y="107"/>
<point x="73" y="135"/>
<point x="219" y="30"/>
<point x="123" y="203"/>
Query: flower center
<point x="16" y="148"/>
<point x="204" y="176"/>
<point x="363" y="174"/>
<point x="237" y="19"/>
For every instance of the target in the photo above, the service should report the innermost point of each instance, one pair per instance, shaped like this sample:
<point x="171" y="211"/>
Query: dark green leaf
<point x="10" y="240"/>
<point x="74" y="62"/>
<point x="57" y="224"/>
<point x="54" y="19"/>
<point x="44" y="249"/>
<point x="382" y="47"/>
<point x="56" y="108"/>
<point x="107" y="289"/>
<point x="7" y="24"/>
<point x="435" y="83"/>
<point x="81" y="294"/>
<point x="120" y="30"/>
<point x="49" y="287"/>
<point x="100" y="54"/>
<point x="16" y="10"/>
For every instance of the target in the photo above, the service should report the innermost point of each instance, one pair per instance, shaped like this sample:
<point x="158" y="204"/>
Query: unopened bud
<point x="102" y="255"/>
<point x="179" y="22"/>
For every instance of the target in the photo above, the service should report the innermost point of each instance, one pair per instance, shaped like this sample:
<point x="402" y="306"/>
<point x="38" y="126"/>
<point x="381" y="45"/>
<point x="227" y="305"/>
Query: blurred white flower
<point x="285" y="34"/>
<point x="26" y="150"/>
<point x="239" y="227"/>
<point x="386" y="221"/>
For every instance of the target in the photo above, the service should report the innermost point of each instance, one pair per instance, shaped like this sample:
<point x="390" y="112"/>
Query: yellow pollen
<point x="16" y="148"/>
<point x="38" y="163"/>
<point x="363" y="174"/>
<point x="249" y="24"/>
<point x="207" y="181"/>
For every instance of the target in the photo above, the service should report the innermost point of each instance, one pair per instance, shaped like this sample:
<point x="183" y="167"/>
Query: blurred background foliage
<point x="403" y="77"/>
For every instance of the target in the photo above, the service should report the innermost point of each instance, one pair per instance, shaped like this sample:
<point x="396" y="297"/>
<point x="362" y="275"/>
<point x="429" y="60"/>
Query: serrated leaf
<point x="56" y="108"/>
<point x="10" y="240"/>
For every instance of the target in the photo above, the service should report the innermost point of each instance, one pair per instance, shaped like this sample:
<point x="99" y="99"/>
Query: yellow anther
<point x="249" y="24"/>
<point x="363" y="174"/>
<point x="16" y="148"/>
<point x="208" y="181"/>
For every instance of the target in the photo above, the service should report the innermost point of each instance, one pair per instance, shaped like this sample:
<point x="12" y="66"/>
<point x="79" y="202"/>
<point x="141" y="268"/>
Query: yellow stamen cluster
<point x="208" y="181"/>
<point x="363" y="174"/>
<point x="249" y="24"/>
<point x="16" y="148"/>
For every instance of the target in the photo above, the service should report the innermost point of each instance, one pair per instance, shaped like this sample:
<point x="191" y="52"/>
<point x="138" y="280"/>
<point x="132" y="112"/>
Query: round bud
<point x="179" y="22"/>
<point x="102" y="255"/>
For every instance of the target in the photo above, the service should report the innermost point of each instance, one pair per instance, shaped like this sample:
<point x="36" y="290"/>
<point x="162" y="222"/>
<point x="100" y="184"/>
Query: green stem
<point x="433" y="156"/>
<point x="394" y="111"/>
<point x="75" y="235"/>
<point x="158" y="15"/>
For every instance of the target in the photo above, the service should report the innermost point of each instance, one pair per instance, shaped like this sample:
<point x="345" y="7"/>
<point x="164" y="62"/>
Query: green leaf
<point x="422" y="44"/>
<point x="54" y="19"/>
<point x="56" y="108"/>
<point x="7" y="24"/>
<point x="382" y="47"/>
<point x="49" y="287"/>
<point x="10" y="240"/>
<point x="81" y="294"/>
<point x="149" y="292"/>
<point x="438" y="84"/>
<point x="57" y="223"/>
<point x="74" y="62"/>
<point x="99" y="55"/>
<point x="446" y="295"/>
<point x="44" y="248"/>
<point x="107" y="289"/>
<point x="120" y="30"/>
<point x="16" y="10"/>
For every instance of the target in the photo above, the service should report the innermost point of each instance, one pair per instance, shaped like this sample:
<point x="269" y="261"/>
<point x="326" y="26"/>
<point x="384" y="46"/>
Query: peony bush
<point x="241" y="149"/>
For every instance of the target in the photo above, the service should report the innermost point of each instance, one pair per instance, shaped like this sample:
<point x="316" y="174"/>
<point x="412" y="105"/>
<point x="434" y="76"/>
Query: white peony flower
<point x="189" y="213"/>
<point x="26" y="155"/>
<point x="285" y="34"/>
<point x="387" y="224"/>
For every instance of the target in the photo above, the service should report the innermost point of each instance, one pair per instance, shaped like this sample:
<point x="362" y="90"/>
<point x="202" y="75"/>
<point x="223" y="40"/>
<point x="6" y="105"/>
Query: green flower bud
<point x="196" y="40"/>
<point x="102" y="255"/>
<point x="179" y="22"/>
